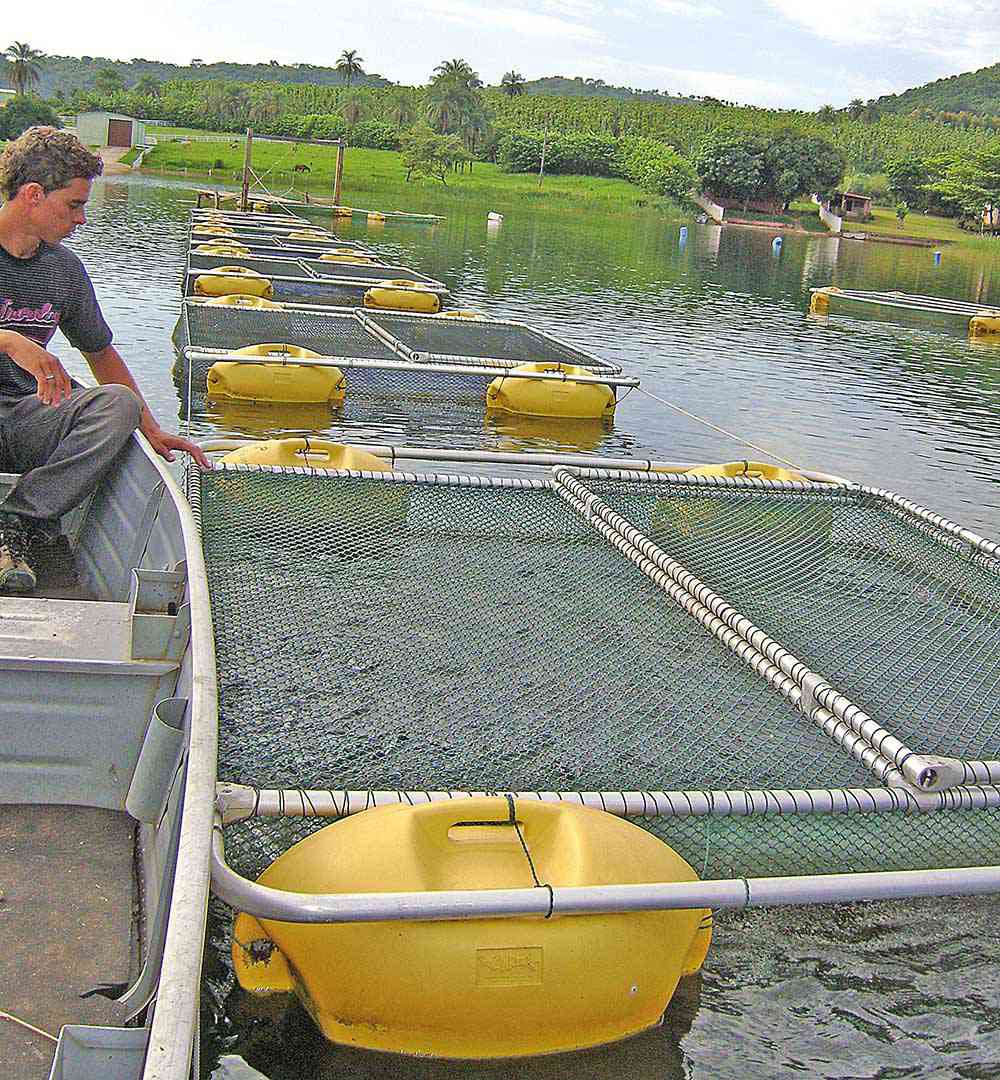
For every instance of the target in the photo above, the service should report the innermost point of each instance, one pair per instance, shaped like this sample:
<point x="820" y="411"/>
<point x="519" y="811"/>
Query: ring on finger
<point x="49" y="378"/>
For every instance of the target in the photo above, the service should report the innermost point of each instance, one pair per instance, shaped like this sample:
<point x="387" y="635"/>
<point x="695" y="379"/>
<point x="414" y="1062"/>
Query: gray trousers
<point x="62" y="451"/>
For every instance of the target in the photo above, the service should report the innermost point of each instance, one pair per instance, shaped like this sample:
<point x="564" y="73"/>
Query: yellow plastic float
<point x="754" y="470"/>
<point x="547" y="397"/>
<point x="361" y="259"/>
<point x="460" y="313"/>
<point x="485" y="988"/>
<point x="262" y="207"/>
<point x="224" y="280"/>
<point x="400" y="294"/>
<point x="376" y="216"/>
<point x="314" y="453"/>
<point x="342" y="211"/>
<point x="242" y="300"/>
<point x="232" y="250"/>
<point x="308" y="234"/>
<point x="215" y="230"/>
<point x="984" y="325"/>
<point x="285" y="383"/>
<point x="820" y="302"/>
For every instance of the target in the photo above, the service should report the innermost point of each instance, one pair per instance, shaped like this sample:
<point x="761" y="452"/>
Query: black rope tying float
<point x="511" y="822"/>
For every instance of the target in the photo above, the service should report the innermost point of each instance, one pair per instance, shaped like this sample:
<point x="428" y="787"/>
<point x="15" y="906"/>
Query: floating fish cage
<point x="462" y="358"/>
<point x="979" y="319"/>
<point x="278" y="247"/>
<point x="776" y="678"/>
<point x="300" y="280"/>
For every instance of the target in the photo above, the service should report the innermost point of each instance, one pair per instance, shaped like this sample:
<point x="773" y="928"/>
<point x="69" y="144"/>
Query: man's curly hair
<point x="46" y="156"/>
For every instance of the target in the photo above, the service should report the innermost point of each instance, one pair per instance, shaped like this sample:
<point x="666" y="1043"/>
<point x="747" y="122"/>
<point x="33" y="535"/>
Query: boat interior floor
<point x="67" y="922"/>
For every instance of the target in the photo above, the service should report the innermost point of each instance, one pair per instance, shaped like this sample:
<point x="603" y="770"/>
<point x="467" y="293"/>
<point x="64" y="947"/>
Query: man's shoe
<point x="16" y="574"/>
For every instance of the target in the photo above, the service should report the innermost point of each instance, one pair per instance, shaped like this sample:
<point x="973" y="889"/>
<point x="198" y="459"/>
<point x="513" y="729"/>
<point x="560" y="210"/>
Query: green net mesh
<point x="413" y="633"/>
<point x="512" y="342"/>
<point x="895" y="615"/>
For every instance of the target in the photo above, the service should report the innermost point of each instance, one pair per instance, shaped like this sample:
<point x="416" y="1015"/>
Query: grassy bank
<point x="377" y="179"/>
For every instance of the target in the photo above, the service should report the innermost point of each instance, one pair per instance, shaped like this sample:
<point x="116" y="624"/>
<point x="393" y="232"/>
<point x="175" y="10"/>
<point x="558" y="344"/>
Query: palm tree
<point x="855" y="108"/>
<point x="457" y="71"/>
<point x="265" y="105"/>
<point x="108" y="80"/>
<point x="149" y="86"/>
<point x="447" y="101"/>
<point x="512" y="83"/>
<point x="349" y="65"/>
<point x="353" y="108"/>
<point x="24" y="64"/>
<point x="401" y="111"/>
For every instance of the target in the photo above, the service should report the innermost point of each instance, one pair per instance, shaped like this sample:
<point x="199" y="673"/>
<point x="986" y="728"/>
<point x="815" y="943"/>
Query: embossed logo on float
<point x="509" y="967"/>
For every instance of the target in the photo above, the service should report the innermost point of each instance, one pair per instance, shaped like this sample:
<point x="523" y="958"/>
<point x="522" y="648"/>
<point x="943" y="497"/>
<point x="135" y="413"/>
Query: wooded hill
<point x="68" y="73"/>
<point x="975" y="92"/>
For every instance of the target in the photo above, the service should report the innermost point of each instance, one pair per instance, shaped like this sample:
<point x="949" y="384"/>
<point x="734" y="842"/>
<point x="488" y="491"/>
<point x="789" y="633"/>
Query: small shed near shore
<point x="109" y="129"/>
<point x="849" y="204"/>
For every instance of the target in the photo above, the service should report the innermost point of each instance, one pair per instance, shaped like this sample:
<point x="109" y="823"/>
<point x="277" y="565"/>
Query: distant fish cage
<point x="382" y="353"/>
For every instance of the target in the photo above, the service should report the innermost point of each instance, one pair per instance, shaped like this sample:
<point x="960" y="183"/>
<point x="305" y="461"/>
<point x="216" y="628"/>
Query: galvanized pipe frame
<point x="635" y="467"/>
<point x="982" y="552"/>
<point x="242" y="802"/>
<point x="818" y="698"/>
<point x="210" y="215"/>
<point x="283" y="305"/>
<point x="274" y="249"/>
<point x="288" y="359"/>
<point x="932" y="305"/>
<point x="956" y="537"/>
<point x="259" y="228"/>
<point x="429" y="285"/>
<point x="263" y="902"/>
<point x="522" y="327"/>
<point x="836" y="727"/>
<point x="436" y="479"/>
<point x="915" y="511"/>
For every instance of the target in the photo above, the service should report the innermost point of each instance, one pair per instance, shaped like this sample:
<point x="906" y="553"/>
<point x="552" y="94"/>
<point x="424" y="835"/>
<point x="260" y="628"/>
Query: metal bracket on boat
<point x="161" y="621"/>
<point x="159" y="761"/>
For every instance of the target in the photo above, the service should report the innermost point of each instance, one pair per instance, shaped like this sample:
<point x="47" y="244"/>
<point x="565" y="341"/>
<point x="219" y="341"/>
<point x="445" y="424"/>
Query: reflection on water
<point x="276" y="1036"/>
<point x="720" y="327"/>
<point x="547" y="434"/>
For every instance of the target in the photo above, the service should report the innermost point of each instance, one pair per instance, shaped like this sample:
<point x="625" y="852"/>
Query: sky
<point x="777" y="53"/>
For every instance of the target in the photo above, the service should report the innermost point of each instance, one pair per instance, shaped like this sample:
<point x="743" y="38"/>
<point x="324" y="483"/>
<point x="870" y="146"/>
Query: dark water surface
<point x="718" y="326"/>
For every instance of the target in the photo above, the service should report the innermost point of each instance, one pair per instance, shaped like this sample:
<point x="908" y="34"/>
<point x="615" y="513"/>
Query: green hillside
<point x="68" y="73"/>
<point x="577" y="86"/>
<point x="976" y="93"/>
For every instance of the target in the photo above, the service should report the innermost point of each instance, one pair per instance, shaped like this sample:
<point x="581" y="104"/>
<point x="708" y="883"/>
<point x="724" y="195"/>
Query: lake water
<point x="719" y="327"/>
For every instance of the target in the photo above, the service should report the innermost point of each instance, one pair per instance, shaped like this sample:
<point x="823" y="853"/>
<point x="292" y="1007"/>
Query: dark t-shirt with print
<point x="50" y="290"/>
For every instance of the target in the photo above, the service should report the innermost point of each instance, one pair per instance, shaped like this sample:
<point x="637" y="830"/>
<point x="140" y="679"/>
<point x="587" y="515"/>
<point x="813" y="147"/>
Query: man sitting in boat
<point x="60" y="438"/>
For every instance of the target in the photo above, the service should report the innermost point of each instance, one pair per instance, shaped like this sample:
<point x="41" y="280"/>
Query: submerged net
<point x="901" y="619"/>
<point x="459" y="339"/>
<point x="428" y="633"/>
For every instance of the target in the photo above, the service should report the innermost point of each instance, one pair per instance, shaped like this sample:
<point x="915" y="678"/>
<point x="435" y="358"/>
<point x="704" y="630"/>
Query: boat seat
<point x="70" y="668"/>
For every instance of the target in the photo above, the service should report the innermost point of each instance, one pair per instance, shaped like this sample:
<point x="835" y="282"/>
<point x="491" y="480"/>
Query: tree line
<point x="665" y="147"/>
